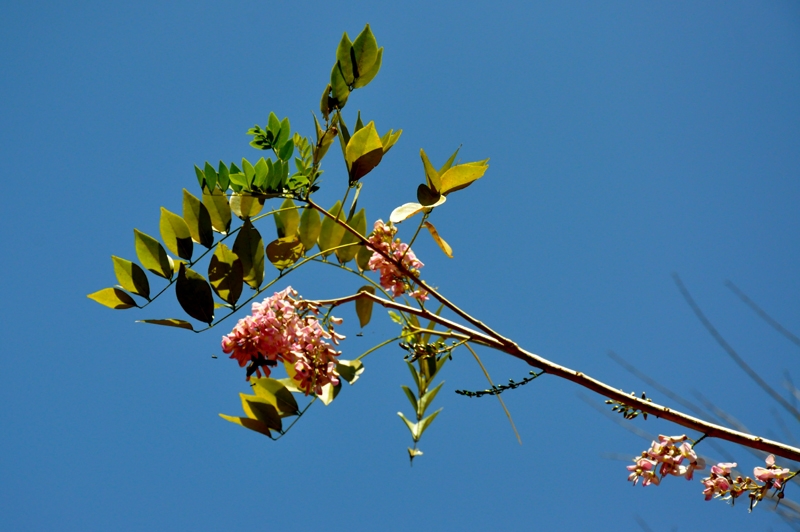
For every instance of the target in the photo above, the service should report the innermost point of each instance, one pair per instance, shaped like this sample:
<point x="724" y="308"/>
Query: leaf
<point x="359" y="223"/>
<point x="411" y="397"/>
<point x="310" y="226"/>
<point x="201" y="178"/>
<point x="446" y="166"/>
<point x="131" y="277"/>
<point x="350" y="370"/>
<point x="219" y="209"/>
<point x="262" y="168"/>
<point x="389" y="139"/>
<point x="426" y="196"/>
<point x="404" y="212"/>
<point x="415" y="375"/>
<point x="273" y="125"/>
<point x="194" y="295"/>
<point x="211" y="176"/>
<point x="197" y="219"/>
<point x="257" y="408"/>
<point x="113" y="298"/>
<point x="329" y="393"/>
<point x="462" y="176"/>
<point x="152" y="254"/>
<point x="331" y="233"/>
<point x="431" y="175"/>
<point x="411" y="426"/>
<point x="439" y="240"/>
<point x="249" y="247"/>
<point x="286" y="150"/>
<point x="225" y="273"/>
<point x="246" y="206"/>
<point x="171" y="322"/>
<point x="365" y="50"/>
<point x="344" y="60"/>
<point x="364" y="151"/>
<point x="284" y="252"/>
<point x="427" y="399"/>
<point x="363" y="256"/>
<point x="175" y="234"/>
<point x="425" y="423"/>
<point x="284" y="135"/>
<point x="249" y="174"/>
<point x="365" y="77"/>
<point x="364" y="306"/>
<point x="276" y="394"/>
<point x="223" y="177"/>
<point x="248" y="423"/>
<point x="287" y="221"/>
<point x="339" y="88"/>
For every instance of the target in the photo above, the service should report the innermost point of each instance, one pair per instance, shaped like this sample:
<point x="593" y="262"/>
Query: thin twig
<point x="762" y="314"/>
<point x="502" y="403"/>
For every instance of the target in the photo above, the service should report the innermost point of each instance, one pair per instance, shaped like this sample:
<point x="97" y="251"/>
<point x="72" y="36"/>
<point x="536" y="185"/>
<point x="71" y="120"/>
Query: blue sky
<point x="627" y="141"/>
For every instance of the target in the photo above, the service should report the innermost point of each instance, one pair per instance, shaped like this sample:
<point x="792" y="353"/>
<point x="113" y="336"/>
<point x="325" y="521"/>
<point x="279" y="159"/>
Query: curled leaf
<point x="439" y="240"/>
<point x="171" y="322"/>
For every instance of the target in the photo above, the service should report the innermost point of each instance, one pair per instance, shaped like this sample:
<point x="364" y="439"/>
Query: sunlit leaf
<point x="446" y="166"/>
<point x="411" y="397"/>
<point x="275" y="393"/>
<point x="350" y="370"/>
<point x="284" y="252"/>
<point x="171" y="322"/>
<point x="462" y="176"/>
<point x="257" y="408"/>
<point x="197" y="219"/>
<point x="425" y="423"/>
<point x="339" y="88"/>
<point x="331" y="233"/>
<point x="252" y="424"/>
<point x="365" y="77"/>
<point x="249" y="247"/>
<point x="427" y="399"/>
<point x="211" y="176"/>
<point x="131" y="277"/>
<point x="439" y="240"/>
<point x="152" y="254"/>
<point x="288" y="219"/>
<point x="223" y="176"/>
<point x="364" y="306"/>
<point x="431" y="175"/>
<point x="113" y="298"/>
<point x="194" y="295"/>
<point x="365" y="50"/>
<point x="310" y="226"/>
<point x="359" y="223"/>
<point x="344" y="59"/>
<point x="246" y="206"/>
<point x="225" y="273"/>
<point x="364" y="151"/>
<point x="411" y="426"/>
<point x="404" y="212"/>
<point x="175" y="234"/>
<point x="329" y="393"/>
<point x="219" y="209"/>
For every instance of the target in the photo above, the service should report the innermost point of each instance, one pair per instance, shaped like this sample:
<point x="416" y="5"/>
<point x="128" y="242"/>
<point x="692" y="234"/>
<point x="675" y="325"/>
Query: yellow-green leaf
<point x="310" y="226"/>
<point x="175" y="234"/>
<point x="284" y="252"/>
<point x="219" y="209"/>
<point x="131" y="277"/>
<point x="194" y="295"/>
<point x="412" y="427"/>
<point x="249" y="247"/>
<point x="462" y="176"/>
<point x="246" y="206"/>
<point x="329" y="393"/>
<point x="257" y="408"/>
<point x="364" y="151"/>
<point x="350" y="370"/>
<point x="359" y="223"/>
<point x="246" y="422"/>
<point x="225" y="273"/>
<point x="364" y="306"/>
<point x="276" y="394"/>
<point x="365" y="49"/>
<point x="390" y="138"/>
<point x="288" y="219"/>
<point x="171" y="322"/>
<point x="431" y="175"/>
<point x="339" y="88"/>
<point x="344" y="59"/>
<point x="331" y="233"/>
<point x="439" y="240"/>
<point x="152" y="254"/>
<point x="363" y="256"/>
<point x="197" y="219"/>
<point x="365" y="77"/>
<point x="113" y="298"/>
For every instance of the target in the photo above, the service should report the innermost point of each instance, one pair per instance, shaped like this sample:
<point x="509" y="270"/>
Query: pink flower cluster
<point x="722" y="485"/>
<point x="671" y="458"/>
<point x="286" y="328"/>
<point x="392" y="278"/>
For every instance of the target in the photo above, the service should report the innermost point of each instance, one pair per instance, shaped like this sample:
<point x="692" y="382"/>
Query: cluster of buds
<point x="285" y="328"/>
<point x="722" y="485"/>
<point x="664" y="458"/>
<point x="392" y="278"/>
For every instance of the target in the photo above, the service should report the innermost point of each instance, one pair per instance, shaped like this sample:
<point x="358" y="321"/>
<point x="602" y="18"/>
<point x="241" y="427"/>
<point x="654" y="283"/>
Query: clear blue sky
<point x="627" y="140"/>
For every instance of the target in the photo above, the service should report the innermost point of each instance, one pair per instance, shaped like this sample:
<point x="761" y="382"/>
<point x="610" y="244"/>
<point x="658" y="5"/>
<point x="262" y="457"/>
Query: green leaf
<point x="359" y="123"/>
<point x="263" y="170"/>
<point x="323" y="103"/>
<point x="175" y="234"/>
<point x="211" y="176"/>
<point x="194" y="295"/>
<point x="389" y="139"/>
<point x="462" y="176"/>
<point x="411" y="426"/>
<point x="257" y="408"/>
<point x="284" y="135"/>
<point x="427" y="399"/>
<point x="249" y="247"/>
<point x="286" y="150"/>
<point x="152" y="254"/>
<point x="446" y="166"/>
<point x="201" y="178"/>
<point x="276" y="394"/>
<point x="171" y="322"/>
<point x="248" y="423"/>
<point x="364" y="306"/>
<point x="415" y="375"/>
<point x="365" y="49"/>
<point x="344" y="60"/>
<point x="219" y="209"/>
<point x="273" y="125"/>
<point x="249" y="174"/>
<point x="225" y="274"/>
<point x="246" y="206"/>
<point x="113" y="298"/>
<point x="350" y="370"/>
<point x="339" y="88"/>
<point x="329" y="393"/>
<point x="395" y="317"/>
<point x="444" y="246"/>
<point x="431" y="175"/>
<point x="223" y="177"/>
<point x="331" y="233"/>
<point x="287" y="220"/>
<point x="284" y="252"/>
<point x="310" y="227"/>
<point x="425" y="423"/>
<point x="197" y="219"/>
<point x="364" y="152"/>
<point x="362" y="257"/>
<point x="411" y="397"/>
<point x="131" y="277"/>
<point x="365" y="77"/>
<point x="359" y="223"/>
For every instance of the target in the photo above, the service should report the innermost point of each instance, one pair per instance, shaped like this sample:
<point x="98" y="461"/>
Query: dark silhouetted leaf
<point x="246" y="422"/>
<point x="350" y="370"/>
<point x="131" y="277"/>
<point x="284" y="252"/>
<point x="426" y="196"/>
<point x="175" y="234"/>
<point x="225" y="273"/>
<point x="171" y="322"/>
<point x="152" y="254"/>
<point x="113" y="298"/>
<point x="249" y="247"/>
<point x="194" y="295"/>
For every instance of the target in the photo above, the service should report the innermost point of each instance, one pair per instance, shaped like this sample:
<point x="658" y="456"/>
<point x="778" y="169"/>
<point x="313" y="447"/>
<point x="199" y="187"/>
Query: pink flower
<point x="643" y="468"/>
<point x="392" y="278"/>
<point x="772" y="473"/>
<point x="723" y="468"/>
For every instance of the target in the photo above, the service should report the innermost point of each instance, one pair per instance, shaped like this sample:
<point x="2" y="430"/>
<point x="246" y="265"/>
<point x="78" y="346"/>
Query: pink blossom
<point x="643" y="468"/>
<point x="772" y="473"/>
<point x="392" y="278"/>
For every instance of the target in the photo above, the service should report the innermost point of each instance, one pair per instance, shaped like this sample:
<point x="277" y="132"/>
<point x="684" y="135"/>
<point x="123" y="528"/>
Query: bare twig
<point x="762" y="314"/>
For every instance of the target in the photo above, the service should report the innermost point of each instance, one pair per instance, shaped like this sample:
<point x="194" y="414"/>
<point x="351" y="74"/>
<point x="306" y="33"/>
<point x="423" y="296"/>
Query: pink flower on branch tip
<point x="392" y="278"/>
<point x="285" y="328"/>
<point x="676" y="460"/>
